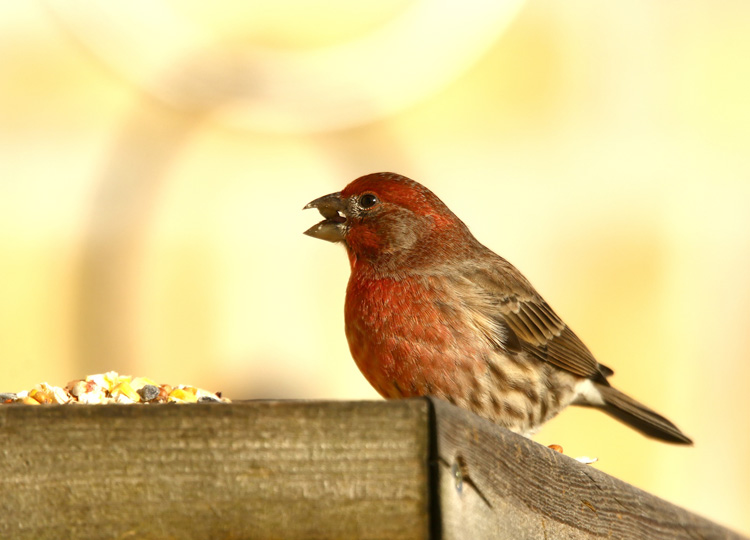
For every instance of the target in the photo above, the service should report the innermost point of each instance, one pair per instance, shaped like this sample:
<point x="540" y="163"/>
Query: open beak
<point x="333" y="208"/>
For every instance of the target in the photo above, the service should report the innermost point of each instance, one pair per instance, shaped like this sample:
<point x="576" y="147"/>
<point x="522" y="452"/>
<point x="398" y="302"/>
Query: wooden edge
<point x="293" y="470"/>
<point x="494" y="483"/>
<point x="434" y="468"/>
<point x="417" y="468"/>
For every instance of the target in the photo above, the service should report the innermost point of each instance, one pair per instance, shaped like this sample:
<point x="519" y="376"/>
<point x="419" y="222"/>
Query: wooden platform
<point x="409" y="469"/>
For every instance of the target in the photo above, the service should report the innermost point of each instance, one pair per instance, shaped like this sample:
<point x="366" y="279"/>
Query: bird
<point x="429" y="310"/>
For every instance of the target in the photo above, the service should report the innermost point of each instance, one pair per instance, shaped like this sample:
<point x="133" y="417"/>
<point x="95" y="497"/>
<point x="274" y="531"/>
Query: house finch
<point x="431" y="311"/>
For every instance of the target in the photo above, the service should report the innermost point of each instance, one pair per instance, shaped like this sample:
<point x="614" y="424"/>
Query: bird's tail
<point x="638" y="416"/>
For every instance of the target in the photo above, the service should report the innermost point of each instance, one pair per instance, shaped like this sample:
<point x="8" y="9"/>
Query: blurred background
<point x="155" y="157"/>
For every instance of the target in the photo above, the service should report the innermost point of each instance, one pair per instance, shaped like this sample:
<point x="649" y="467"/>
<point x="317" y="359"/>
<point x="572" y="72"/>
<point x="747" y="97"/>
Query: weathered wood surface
<point x="302" y="470"/>
<point x="496" y="484"/>
<point x="284" y="470"/>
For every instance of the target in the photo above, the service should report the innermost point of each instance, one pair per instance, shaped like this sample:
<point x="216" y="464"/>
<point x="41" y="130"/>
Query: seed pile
<point x="111" y="387"/>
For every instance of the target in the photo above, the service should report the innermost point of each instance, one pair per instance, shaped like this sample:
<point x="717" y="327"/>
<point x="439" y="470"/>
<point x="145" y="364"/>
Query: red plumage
<point x="431" y="311"/>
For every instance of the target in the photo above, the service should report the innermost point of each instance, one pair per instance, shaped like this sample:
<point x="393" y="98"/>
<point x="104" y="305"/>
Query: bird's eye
<point x="368" y="200"/>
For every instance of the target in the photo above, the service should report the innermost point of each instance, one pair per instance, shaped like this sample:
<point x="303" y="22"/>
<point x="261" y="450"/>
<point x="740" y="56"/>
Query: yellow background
<point x="151" y="225"/>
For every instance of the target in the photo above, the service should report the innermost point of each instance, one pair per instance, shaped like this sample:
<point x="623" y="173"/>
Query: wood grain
<point x="512" y="487"/>
<point x="408" y="469"/>
<point x="286" y="470"/>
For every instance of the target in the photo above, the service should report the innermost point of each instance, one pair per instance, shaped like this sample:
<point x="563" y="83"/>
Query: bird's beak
<point x="333" y="208"/>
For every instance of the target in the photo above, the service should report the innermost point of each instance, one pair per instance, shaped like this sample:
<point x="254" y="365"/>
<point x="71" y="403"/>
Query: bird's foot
<point x="581" y="459"/>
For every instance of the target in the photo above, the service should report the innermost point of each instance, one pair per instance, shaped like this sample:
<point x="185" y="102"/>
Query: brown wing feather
<point x="518" y="308"/>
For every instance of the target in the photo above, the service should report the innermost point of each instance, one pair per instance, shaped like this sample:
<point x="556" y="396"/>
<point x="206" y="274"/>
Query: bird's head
<point x="387" y="220"/>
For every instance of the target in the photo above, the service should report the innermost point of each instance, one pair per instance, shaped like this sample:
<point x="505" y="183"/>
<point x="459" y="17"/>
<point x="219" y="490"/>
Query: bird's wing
<point x="527" y="323"/>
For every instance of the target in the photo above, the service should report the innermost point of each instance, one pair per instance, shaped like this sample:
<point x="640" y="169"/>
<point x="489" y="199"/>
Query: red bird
<point x="431" y="311"/>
